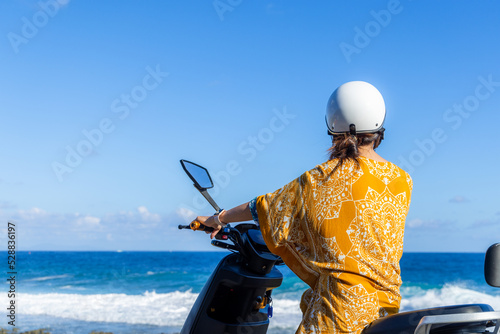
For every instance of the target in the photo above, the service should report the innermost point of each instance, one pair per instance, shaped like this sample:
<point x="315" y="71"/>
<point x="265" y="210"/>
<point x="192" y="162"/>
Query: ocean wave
<point x="71" y="287"/>
<point x="46" y="278"/>
<point x="171" y="309"/>
<point x="150" y="308"/>
<point x="286" y="315"/>
<point x="168" y="309"/>
<point x="449" y="294"/>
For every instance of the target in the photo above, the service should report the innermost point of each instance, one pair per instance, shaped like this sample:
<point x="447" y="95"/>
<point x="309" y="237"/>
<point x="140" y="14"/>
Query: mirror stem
<point x="209" y="198"/>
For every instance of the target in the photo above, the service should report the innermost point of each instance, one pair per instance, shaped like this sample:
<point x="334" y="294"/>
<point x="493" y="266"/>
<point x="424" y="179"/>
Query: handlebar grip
<point x="196" y="226"/>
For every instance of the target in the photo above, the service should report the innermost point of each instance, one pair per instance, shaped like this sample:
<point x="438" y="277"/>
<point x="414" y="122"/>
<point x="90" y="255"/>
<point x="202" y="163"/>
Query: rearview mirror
<point x="198" y="174"/>
<point x="492" y="265"/>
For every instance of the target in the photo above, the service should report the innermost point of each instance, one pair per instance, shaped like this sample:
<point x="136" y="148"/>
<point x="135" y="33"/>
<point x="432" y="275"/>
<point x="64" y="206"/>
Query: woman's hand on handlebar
<point x="237" y="214"/>
<point x="209" y="221"/>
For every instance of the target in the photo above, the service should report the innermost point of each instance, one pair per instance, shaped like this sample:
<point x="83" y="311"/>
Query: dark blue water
<point x="434" y="270"/>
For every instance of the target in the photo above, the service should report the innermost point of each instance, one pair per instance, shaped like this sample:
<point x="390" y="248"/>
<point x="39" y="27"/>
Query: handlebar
<point x="196" y="226"/>
<point x="240" y="238"/>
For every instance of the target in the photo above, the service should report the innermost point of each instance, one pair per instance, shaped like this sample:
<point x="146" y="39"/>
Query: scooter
<point x="237" y="296"/>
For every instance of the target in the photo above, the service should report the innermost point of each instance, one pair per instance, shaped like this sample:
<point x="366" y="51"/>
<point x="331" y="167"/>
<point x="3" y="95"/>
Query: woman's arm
<point x="239" y="213"/>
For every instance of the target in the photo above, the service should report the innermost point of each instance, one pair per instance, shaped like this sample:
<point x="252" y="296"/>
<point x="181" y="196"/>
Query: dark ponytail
<point x="345" y="146"/>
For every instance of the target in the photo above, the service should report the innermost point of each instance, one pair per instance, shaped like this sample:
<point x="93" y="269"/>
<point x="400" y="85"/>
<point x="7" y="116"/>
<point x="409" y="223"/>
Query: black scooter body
<point x="229" y="300"/>
<point x="407" y="322"/>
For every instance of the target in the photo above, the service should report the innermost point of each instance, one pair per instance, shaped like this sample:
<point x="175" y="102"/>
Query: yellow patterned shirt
<point x="342" y="234"/>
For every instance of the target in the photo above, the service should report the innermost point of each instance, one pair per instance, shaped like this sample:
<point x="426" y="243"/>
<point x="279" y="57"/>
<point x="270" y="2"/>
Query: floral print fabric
<point x="342" y="234"/>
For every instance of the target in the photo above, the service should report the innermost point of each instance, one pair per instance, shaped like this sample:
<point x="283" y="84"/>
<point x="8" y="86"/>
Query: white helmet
<point x="355" y="107"/>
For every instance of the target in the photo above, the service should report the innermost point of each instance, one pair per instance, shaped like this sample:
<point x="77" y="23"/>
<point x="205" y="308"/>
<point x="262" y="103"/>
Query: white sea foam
<point x="286" y="315"/>
<point x="448" y="295"/>
<point x="161" y="309"/>
<point x="171" y="309"/>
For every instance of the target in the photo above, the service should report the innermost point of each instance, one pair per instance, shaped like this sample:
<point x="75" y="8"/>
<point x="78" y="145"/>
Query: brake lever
<point x="224" y="245"/>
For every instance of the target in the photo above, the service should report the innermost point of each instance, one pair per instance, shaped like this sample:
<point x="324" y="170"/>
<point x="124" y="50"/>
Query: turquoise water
<point x="152" y="292"/>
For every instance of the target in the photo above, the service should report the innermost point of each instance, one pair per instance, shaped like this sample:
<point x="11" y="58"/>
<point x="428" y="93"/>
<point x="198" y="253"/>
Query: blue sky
<point x="100" y="101"/>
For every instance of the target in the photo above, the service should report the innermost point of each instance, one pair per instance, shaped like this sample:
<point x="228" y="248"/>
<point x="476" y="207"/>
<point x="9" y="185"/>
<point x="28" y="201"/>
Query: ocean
<point x="152" y="292"/>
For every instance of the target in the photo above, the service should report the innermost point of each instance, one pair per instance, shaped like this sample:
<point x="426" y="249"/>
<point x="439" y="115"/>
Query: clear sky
<point x="100" y="100"/>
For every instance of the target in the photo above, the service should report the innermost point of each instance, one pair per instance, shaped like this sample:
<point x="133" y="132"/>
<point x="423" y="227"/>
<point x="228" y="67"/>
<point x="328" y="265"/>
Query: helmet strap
<point x="381" y="131"/>
<point x="352" y="129"/>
